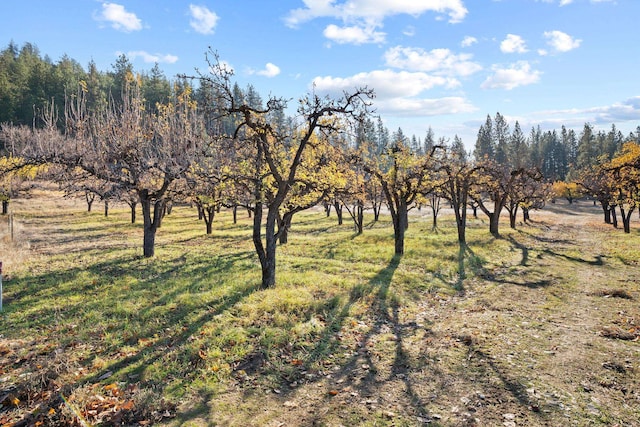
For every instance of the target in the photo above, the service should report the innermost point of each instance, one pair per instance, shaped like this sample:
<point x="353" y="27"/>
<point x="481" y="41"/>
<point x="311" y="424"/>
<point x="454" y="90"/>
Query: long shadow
<point x="598" y="261"/>
<point x="386" y="314"/>
<point x="511" y="385"/>
<point x="522" y="248"/>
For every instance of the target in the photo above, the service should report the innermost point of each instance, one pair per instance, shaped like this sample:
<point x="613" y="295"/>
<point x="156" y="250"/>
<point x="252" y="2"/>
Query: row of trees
<point x="218" y="145"/>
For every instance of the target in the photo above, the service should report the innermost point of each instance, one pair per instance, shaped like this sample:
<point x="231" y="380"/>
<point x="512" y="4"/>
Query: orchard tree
<point x="124" y="145"/>
<point x="492" y="186"/>
<point x="625" y="174"/>
<point x="282" y="168"/>
<point x="404" y="176"/>
<point x="596" y="182"/>
<point x="457" y="175"/>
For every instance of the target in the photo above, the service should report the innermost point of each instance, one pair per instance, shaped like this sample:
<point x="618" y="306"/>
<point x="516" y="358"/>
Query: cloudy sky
<point x="439" y="63"/>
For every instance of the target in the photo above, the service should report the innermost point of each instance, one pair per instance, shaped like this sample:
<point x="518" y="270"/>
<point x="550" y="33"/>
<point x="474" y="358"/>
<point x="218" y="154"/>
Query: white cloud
<point x="440" y="61"/>
<point x="513" y="44"/>
<point x="407" y="107"/>
<point x="567" y="2"/>
<point x="203" y="20"/>
<point x="119" y="18"/>
<point x="410" y="31"/>
<point x="561" y="42"/>
<point x="468" y="41"/>
<point x="353" y="35"/>
<point x="618" y="112"/>
<point x="148" y="57"/>
<point x="373" y="10"/>
<point x="270" y="70"/>
<point x="518" y="74"/>
<point x="386" y="83"/>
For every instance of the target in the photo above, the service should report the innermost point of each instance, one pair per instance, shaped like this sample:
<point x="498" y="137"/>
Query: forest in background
<point x="30" y="80"/>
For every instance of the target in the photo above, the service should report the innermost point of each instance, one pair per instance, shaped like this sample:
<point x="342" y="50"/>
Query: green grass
<point x="193" y="322"/>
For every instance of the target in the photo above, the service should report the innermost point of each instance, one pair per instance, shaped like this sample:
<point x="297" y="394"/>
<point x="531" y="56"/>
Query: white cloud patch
<point x="410" y="31"/>
<point x="518" y="74"/>
<point x="270" y="70"/>
<point x="353" y="35"/>
<point x="619" y="112"/>
<point x="373" y="10"/>
<point x="119" y="18"/>
<point x="386" y="83"/>
<point x="362" y="19"/>
<point x="149" y="57"/>
<point x="438" y="61"/>
<point x="468" y="41"/>
<point x="408" y="107"/>
<point x="513" y="44"/>
<point x="561" y="42"/>
<point x="399" y="93"/>
<point x="203" y="20"/>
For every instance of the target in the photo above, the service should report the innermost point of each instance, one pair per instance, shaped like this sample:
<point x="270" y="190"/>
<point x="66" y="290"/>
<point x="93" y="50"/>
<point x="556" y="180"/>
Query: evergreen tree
<point x="485" y="147"/>
<point x="535" y="149"/>
<point x="501" y="136"/>
<point x="121" y="75"/>
<point x="458" y="152"/>
<point x="383" y="136"/>
<point x="587" y="150"/>
<point x="429" y="140"/>
<point x="156" y="89"/>
<point x="518" y="155"/>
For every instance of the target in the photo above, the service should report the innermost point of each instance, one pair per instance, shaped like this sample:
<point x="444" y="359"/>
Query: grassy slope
<point x="517" y="329"/>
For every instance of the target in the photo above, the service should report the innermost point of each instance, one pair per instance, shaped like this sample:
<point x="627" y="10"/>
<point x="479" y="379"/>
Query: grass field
<point x="539" y="327"/>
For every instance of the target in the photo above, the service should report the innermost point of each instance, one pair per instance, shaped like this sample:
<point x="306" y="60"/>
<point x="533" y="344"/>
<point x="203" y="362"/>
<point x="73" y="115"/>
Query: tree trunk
<point x="5" y="207"/>
<point x="133" y="205"/>
<point x="106" y="208"/>
<point x="512" y="217"/>
<point x="200" y="212"/>
<point x="626" y="218"/>
<point x="151" y="221"/>
<point x="360" y="217"/>
<point x="266" y="255"/>
<point x="235" y="214"/>
<point x="494" y="224"/>
<point x="399" y="226"/>
<point x="327" y="208"/>
<point x="208" y="214"/>
<point x="525" y="215"/>
<point x="338" y="207"/>
<point x="607" y="211"/>
<point x="405" y="215"/>
<point x="169" y="208"/>
<point x="89" y="197"/>
<point x="269" y="266"/>
<point x="475" y="211"/>
<point x="614" y="217"/>
<point x="376" y="211"/>
<point x="283" y="230"/>
<point x="434" y="211"/>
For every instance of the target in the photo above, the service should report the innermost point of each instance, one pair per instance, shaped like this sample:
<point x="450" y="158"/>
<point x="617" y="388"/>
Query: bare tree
<point x="283" y="167"/>
<point x="125" y="146"/>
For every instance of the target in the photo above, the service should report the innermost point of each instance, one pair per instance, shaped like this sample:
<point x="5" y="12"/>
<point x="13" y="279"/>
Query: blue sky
<point x="439" y="63"/>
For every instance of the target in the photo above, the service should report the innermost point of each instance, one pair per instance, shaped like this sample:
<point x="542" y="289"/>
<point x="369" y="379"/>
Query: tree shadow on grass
<point x="359" y="372"/>
<point x="467" y="260"/>
<point x="163" y="326"/>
